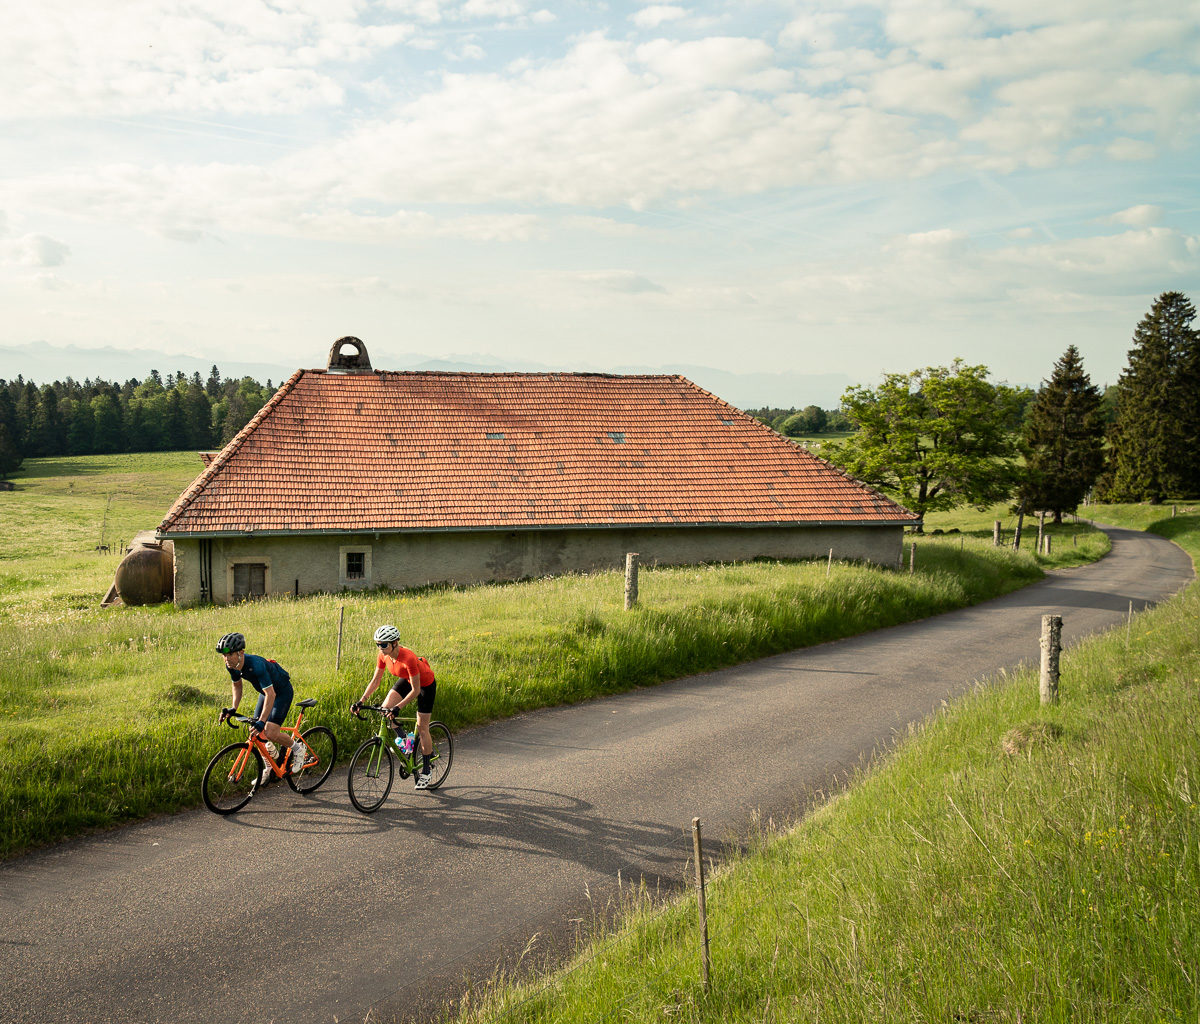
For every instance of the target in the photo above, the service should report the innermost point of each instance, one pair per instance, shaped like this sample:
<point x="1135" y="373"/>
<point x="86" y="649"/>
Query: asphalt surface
<point x="300" y="909"/>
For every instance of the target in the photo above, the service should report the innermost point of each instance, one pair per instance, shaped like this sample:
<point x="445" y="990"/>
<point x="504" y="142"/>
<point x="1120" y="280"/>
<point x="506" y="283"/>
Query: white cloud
<point x="1140" y="216"/>
<point x="34" y="251"/>
<point x="59" y="57"/>
<point x="626" y="281"/>
<point x="716" y="61"/>
<point x="656" y="15"/>
<point x="814" y="30"/>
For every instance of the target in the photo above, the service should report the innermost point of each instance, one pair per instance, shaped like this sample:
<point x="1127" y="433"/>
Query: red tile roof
<point x="383" y="451"/>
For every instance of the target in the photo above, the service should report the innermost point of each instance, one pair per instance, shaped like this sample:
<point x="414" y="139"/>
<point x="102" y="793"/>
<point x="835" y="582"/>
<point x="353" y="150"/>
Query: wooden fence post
<point x="829" y="564"/>
<point x="631" y="574"/>
<point x="705" y="965"/>
<point x="341" y="622"/>
<point x="1051" y="644"/>
<point x="912" y="557"/>
<point x="996" y="533"/>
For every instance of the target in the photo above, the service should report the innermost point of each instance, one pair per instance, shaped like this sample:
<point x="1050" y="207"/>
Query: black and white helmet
<point x="387" y="635"/>
<point x="231" y="643"/>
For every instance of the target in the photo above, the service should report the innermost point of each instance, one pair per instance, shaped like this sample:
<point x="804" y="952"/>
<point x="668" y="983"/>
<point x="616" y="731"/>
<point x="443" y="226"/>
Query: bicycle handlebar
<point x="372" y="707"/>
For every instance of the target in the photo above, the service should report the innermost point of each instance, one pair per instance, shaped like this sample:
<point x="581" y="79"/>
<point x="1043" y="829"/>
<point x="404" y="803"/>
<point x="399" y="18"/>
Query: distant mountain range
<point x="43" y="363"/>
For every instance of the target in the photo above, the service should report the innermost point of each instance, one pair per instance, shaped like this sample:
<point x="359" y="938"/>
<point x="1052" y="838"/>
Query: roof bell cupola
<point x="341" y="361"/>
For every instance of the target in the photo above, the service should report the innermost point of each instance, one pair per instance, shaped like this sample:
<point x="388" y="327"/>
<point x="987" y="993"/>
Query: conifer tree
<point x="1153" y="441"/>
<point x="10" y="454"/>
<point x="1063" y="439"/>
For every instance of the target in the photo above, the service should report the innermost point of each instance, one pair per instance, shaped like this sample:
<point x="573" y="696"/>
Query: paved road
<point x="153" y="922"/>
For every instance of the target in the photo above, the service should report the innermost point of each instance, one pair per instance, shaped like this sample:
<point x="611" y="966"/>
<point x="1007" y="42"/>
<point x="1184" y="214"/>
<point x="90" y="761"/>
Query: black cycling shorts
<point x="279" y="710"/>
<point x="424" y="698"/>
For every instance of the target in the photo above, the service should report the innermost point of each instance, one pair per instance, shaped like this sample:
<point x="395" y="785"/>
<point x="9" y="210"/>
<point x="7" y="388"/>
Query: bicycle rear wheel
<point x="442" y="756"/>
<point x="322" y="752"/>
<point x="231" y="778"/>
<point x="370" y="777"/>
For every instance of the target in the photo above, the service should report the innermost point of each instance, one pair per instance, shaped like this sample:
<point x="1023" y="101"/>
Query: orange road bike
<point x="232" y="777"/>
<point x="371" y="769"/>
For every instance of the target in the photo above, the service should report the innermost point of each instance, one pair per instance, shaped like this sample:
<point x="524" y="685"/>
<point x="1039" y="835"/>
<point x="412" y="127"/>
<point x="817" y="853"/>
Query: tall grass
<point x="1009" y="862"/>
<point x="108" y="715"/>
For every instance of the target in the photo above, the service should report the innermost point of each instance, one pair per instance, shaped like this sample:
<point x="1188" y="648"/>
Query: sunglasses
<point x="384" y="647"/>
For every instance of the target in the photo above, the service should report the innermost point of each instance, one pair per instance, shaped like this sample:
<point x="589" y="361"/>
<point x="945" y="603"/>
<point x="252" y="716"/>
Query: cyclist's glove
<point x="257" y="725"/>
<point x="225" y="713"/>
<point x="356" y="707"/>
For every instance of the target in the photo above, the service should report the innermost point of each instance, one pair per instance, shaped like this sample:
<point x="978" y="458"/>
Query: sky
<point x="761" y="187"/>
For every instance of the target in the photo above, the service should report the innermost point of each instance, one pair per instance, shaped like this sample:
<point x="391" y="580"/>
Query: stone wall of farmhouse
<point x="307" y="564"/>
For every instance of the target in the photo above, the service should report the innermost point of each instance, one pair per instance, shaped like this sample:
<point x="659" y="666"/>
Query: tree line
<point x="935" y="438"/>
<point x="102" y="417"/>
<point x="806" y="422"/>
<point x="946" y="436"/>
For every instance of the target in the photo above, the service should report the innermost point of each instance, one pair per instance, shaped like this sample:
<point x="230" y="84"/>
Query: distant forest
<point x="804" y="422"/>
<point x="100" y="417"/>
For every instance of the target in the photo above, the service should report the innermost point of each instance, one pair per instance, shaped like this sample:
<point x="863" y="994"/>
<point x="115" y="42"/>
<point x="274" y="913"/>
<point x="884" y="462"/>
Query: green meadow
<point x="108" y="715"/>
<point x="1007" y="862"/>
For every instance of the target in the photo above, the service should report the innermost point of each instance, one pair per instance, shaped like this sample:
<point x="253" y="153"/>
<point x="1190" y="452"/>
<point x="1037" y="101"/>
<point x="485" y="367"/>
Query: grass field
<point x="107" y="715"/>
<point x="1009" y="862"/>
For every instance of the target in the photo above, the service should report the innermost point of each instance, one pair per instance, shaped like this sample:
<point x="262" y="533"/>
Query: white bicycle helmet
<point x="387" y="635"/>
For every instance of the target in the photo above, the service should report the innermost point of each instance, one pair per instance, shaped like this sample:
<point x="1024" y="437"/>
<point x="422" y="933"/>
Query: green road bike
<point x="375" y="763"/>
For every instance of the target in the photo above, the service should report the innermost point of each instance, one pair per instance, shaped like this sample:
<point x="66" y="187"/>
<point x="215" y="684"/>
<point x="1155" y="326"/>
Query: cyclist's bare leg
<point x="277" y="736"/>
<point x="423" y="719"/>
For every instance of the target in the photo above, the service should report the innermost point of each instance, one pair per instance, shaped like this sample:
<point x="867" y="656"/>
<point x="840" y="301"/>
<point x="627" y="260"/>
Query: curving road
<point x="188" y="918"/>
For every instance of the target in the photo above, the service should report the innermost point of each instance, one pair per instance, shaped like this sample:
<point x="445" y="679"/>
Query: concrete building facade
<point x="351" y="478"/>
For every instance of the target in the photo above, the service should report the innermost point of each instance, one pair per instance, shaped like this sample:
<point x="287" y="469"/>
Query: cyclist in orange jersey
<point x="414" y="682"/>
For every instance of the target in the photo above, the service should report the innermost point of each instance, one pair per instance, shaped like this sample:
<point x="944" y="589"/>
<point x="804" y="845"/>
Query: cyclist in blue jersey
<point x="274" y="687"/>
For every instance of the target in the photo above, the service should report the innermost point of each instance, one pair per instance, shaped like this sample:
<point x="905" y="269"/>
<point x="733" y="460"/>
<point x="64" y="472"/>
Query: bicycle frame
<point x="408" y="762"/>
<point x="256" y="742"/>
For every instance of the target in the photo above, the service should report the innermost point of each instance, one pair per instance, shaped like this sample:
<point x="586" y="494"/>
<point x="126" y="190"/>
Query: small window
<point x="354" y="565"/>
<point x="249" y="579"/>
<point x="495" y="435"/>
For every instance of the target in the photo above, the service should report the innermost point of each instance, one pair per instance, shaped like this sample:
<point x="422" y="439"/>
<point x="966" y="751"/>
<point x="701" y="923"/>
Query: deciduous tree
<point x="935" y="438"/>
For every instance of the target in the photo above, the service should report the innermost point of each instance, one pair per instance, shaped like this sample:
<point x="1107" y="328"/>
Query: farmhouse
<point x="352" y="478"/>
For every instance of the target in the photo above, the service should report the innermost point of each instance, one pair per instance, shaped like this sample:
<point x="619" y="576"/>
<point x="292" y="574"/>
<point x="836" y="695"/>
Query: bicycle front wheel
<point x="370" y="778"/>
<point x="231" y="778"/>
<point x="442" y="756"/>
<point x="322" y="752"/>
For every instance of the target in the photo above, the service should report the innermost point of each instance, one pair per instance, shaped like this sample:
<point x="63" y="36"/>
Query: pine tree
<point x="10" y="421"/>
<point x="1063" y="437"/>
<point x="198" y="413"/>
<point x="109" y="436"/>
<point x="175" y="427"/>
<point x="81" y="433"/>
<point x="10" y="454"/>
<point x="47" y="432"/>
<point x="1153" y="441"/>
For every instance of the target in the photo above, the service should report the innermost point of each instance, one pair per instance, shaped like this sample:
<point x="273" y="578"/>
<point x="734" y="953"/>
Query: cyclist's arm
<point x="414" y="691"/>
<point x="373" y="684"/>
<point x="237" y="693"/>
<point x="268" y="702"/>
